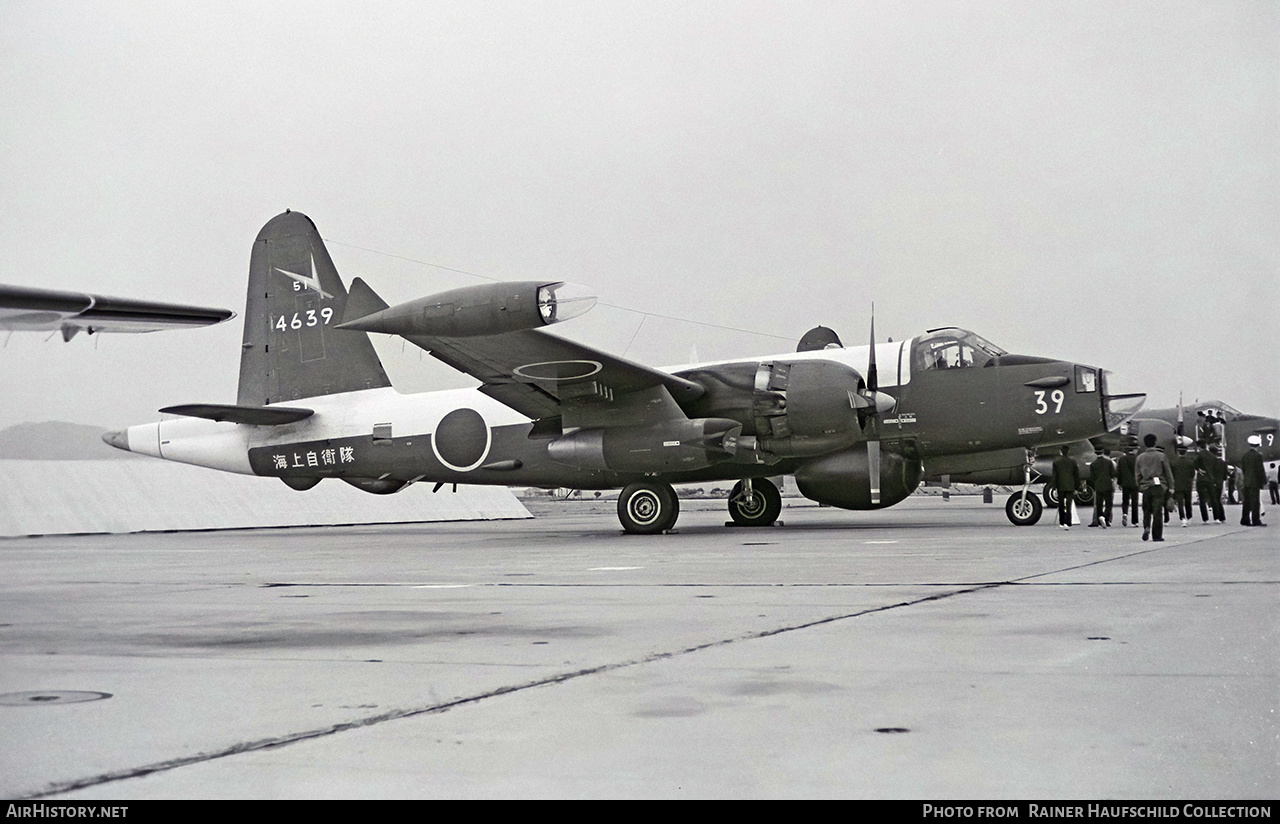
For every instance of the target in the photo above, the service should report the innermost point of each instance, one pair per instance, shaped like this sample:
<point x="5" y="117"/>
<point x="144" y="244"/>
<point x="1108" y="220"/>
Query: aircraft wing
<point x="25" y="309"/>
<point x="538" y="374"/>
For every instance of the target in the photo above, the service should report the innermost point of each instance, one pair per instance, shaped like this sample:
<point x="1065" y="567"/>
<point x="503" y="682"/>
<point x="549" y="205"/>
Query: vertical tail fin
<point x="295" y="298"/>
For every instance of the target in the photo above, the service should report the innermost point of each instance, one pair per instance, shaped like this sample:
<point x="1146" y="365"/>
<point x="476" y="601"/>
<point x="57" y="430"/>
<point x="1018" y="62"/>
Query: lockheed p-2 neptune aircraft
<point x="851" y="424"/>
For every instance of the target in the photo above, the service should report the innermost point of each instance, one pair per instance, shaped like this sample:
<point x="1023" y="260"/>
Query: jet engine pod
<point x="487" y="309"/>
<point x="669" y="446"/>
<point x="844" y="480"/>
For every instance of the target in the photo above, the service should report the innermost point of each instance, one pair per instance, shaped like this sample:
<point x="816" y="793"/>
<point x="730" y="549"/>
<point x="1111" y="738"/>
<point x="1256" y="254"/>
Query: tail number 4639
<point x="1056" y="398"/>
<point x="309" y="318"/>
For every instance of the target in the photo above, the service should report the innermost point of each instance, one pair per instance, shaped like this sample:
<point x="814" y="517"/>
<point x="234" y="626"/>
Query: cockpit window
<point x="1223" y="409"/>
<point x="954" y="349"/>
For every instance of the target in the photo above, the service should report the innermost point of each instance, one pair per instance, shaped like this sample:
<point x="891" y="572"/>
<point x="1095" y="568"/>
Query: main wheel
<point x="1084" y="495"/>
<point x="760" y="508"/>
<point x="1051" y="496"/>
<point x="647" y="508"/>
<point x="1023" y="510"/>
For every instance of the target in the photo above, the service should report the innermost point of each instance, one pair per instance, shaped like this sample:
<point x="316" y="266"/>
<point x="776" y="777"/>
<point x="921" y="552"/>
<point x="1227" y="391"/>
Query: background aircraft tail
<point x="291" y="349"/>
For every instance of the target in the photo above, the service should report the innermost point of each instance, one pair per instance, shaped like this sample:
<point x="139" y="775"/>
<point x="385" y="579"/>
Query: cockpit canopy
<point x="1225" y="410"/>
<point x="953" y="348"/>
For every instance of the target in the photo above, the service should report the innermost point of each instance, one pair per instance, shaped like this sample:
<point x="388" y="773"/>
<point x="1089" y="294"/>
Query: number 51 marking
<point x="1057" y="398"/>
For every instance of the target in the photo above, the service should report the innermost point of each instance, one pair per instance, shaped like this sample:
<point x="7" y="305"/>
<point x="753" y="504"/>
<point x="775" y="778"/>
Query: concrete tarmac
<point x="927" y="651"/>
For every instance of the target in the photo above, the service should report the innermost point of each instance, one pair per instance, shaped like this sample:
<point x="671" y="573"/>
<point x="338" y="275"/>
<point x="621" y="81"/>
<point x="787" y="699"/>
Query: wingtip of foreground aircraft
<point x="27" y="309"/>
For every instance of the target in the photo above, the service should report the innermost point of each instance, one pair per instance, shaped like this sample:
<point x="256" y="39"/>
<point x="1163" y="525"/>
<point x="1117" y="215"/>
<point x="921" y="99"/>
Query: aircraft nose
<point x="118" y="439"/>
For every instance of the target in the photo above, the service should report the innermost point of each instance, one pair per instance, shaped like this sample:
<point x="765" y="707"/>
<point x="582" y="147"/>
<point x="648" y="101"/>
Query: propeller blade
<point x="873" y="374"/>
<point x="873" y="469"/>
<point x="873" y="418"/>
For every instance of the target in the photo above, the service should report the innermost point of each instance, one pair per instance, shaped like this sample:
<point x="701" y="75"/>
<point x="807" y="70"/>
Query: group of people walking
<point x="1150" y="479"/>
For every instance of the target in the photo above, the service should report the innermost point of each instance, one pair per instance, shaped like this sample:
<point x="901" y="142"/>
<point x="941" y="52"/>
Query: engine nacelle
<point x="671" y="446"/>
<point x="1167" y="438"/>
<point x="793" y="409"/>
<point x="300" y="482"/>
<point x="844" y="479"/>
<point x="376" y="486"/>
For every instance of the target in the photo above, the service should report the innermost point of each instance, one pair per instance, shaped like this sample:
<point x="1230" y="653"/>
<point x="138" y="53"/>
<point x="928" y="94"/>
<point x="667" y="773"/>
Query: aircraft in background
<point x="24" y="309"/>
<point x="1238" y="430"/>
<point x="853" y="425"/>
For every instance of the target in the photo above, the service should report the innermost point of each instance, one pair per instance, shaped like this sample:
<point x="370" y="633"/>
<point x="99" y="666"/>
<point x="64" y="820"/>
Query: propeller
<point x="873" y="404"/>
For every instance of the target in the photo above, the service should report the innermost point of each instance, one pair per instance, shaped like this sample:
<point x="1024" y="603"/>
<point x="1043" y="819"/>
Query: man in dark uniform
<point x="1218" y="475"/>
<point x="1102" y="474"/>
<point x="1066" y="479"/>
<point x="1252" y="477"/>
<point x="1184" y="481"/>
<point x="1204" y="481"/>
<point x="1155" y="478"/>
<point x="1128" y="487"/>
<point x="1204" y="429"/>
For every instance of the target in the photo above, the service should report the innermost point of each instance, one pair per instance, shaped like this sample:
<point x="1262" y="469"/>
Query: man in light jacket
<point x="1155" y="482"/>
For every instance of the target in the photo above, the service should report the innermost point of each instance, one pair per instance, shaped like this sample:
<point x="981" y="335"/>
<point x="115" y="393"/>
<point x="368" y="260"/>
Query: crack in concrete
<point x="410" y="712"/>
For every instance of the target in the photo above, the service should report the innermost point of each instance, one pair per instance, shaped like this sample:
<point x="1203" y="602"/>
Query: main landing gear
<point x="651" y="507"/>
<point x="755" y="502"/>
<point x="1083" y="495"/>
<point x="648" y="507"/>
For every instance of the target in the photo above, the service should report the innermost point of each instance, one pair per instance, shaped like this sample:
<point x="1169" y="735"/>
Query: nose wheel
<point x="648" y="507"/>
<point x="1023" y="508"/>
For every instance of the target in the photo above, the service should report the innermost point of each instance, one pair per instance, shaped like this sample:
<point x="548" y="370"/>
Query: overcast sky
<point x="1096" y="181"/>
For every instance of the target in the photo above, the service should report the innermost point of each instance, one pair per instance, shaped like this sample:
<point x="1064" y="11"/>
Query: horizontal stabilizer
<point x="255" y="415"/>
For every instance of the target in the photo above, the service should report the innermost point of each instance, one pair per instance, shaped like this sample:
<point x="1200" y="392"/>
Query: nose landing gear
<point x="1024" y="508"/>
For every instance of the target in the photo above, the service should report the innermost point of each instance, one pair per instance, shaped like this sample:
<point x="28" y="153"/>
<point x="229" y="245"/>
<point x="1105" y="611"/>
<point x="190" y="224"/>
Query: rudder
<point x="295" y="298"/>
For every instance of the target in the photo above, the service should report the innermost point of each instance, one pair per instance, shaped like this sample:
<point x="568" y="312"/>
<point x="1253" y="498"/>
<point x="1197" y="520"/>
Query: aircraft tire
<point x="1023" y="512"/>
<point x="1084" y="495"/>
<point x="648" y="508"/>
<point x="761" y="509"/>
<point x="1051" y="496"/>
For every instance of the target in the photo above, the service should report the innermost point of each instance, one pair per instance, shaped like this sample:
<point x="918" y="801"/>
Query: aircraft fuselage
<point x="464" y="436"/>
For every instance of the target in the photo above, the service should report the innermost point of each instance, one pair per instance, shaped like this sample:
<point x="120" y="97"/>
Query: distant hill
<point x="58" y="441"/>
